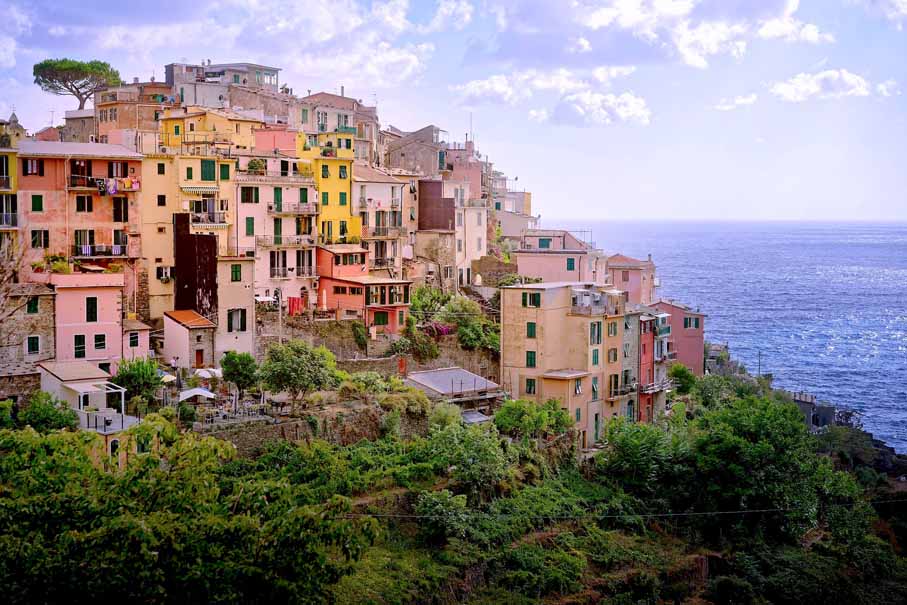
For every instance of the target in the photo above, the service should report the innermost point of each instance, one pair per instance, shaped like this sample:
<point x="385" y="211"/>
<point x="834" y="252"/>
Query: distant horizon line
<point x="873" y="221"/>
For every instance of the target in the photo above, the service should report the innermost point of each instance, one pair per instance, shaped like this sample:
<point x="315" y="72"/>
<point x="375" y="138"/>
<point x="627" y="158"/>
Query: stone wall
<point x="492" y="269"/>
<point x="19" y="387"/>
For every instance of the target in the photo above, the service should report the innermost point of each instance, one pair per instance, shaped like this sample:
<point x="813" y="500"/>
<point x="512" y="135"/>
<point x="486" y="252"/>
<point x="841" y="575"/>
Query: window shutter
<point x="255" y="195"/>
<point x="40" y="167"/>
<point x="525" y="298"/>
<point x="242" y="320"/>
<point x="109" y="170"/>
<point x="303" y="195"/>
<point x="229" y="321"/>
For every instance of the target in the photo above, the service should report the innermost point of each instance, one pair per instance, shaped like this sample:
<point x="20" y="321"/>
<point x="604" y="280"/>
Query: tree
<point x="684" y="377"/>
<point x="475" y="454"/>
<point x="461" y="311"/>
<point x="46" y="413"/>
<point x="240" y="369"/>
<point x="140" y="378"/>
<point x="426" y="302"/>
<point x="296" y="368"/>
<point x="80" y="79"/>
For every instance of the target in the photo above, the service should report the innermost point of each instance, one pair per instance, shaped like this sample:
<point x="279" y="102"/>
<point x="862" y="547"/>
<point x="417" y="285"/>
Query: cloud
<point x="494" y="89"/>
<point x="888" y="88"/>
<point x="793" y="30"/>
<point x="523" y="85"/>
<point x="588" y="108"/>
<point x="696" y="44"/>
<point x="828" y="84"/>
<point x="538" y="115"/>
<point x="14" y="23"/>
<point x="739" y="101"/>
<point x="606" y="74"/>
<point x="451" y="14"/>
<point x="893" y="10"/>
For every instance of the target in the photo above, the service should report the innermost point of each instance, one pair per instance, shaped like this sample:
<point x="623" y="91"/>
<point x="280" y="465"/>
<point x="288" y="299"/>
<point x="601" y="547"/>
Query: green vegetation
<point x="240" y="369"/>
<point x="426" y="302"/>
<point x="80" y="79"/>
<point x="297" y="368"/>
<point x="44" y="413"/>
<point x="683" y="377"/>
<point x="139" y="377"/>
<point x="524" y="418"/>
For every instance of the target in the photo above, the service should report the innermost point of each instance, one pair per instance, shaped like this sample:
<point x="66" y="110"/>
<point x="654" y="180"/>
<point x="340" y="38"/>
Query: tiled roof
<point x="85" y="150"/>
<point x="190" y="319"/>
<point x="620" y="260"/>
<point x="370" y="175"/>
<point x="131" y="325"/>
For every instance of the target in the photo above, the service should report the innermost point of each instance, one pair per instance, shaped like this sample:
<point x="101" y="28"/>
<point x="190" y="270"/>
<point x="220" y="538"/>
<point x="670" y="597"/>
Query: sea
<point x="820" y="306"/>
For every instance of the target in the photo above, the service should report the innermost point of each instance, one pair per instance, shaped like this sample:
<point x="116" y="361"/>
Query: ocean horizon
<point x="823" y="303"/>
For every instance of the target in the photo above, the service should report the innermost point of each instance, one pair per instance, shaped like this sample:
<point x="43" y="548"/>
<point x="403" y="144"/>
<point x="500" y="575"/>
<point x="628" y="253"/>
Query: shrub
<point x="6" y="414"/>
<point x="371" y="383"/>
<point x="446" y="515"/>
<point x="187" y="413"/>
<point x="426" y="302"/>
<point x="524" y="418"/>
<point x="422" y="346"/>
<point x="537" y="570"/>
<point x="360" y="334"/>
<point x="731" y="589"/>
<point x="460" y="311"/>
<point x="471" y="336"/>
<point x="444" y="415"/>
<point x="411" y="400"/>
<point x="391" y="423"/>
<point x="401" y="346"/>
<point x="322" y="398"/>
<point x="46" y="413"/>
<point x="350" y="390"/>
<point x="684" y="378"/>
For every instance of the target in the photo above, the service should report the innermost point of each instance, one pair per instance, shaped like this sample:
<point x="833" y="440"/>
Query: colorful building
<point x="324" y="112"/>
<point x="9" y="204"/>
<point x="637" y="277"/>
<point x="346" y="289"/>
<point x="130" y="114"/>
<point x="379" y="203"/>
<point x="330" y="154"/>
<point x="558" y="255"/>
<point x="193" y="128"/>
<point x="687" y="341"/>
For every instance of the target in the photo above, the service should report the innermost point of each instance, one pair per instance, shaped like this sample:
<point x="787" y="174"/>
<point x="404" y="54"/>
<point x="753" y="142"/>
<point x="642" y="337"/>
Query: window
<point x="595" y="357"/>
<point x="459" y="245"/>
<point x="478" y="219"/>
<point x="578" y="414"/>
<point x="479" y="244"/>
<point x="120" y="210"/>
<point x="342" y="227"/>
<point x="530" y="329"/>
<point x="188" y="173"/>
<point x="91" y="308"/>
<point x="612" y="355"/>
<point x="343" y="198"/>
<point x="236" y="320"/>
<point x="250" y="225"/>
<point x="33" y="167"/>
<point x="304" y="115"/>
<point x="339" y="289"/>
<point x="696" y="323"/>
<point x="31" y="307"/>
<point x="225" y="172"/>
<point x="459" y="219"/>
<point x="236" y="78"/>
<point x="578" y="387"/>
<point x="78" y="346"/>
<point x="248" y="195"/>
<point x="37" y="203"/>
<point x="626" y="350"/>
<point x="133" y="339"/>
<point x="208" y="167"/>
<point x="161" y="200"/>
<point x="571" y="264"/>
<point x="303" y="195"/>
<point x="544" y="242"/>
<point x="160" y="168"/>
<point x="380" y="318"/>
<point x="278" y="195"/>
<point x="532" y="299"/>
<point x="176" y="127"/>
<point x="40" y="238"/>
<point x="343" y="172"/>
<point x="117" y="169"/>
<point x="100" y="342"/>
<point x="84" y="203"/>
<point x="612" y="328"/>
<point x="594" y="388"/>
<point x="33" y="345"/>
<point x="325" y="171"/>
<point x="530" y="359"/>
<point x="595" y="333"/>
<point x="625" y="276"/>
<point x="236" y="272"/>
<point x="324" y="198"/>
<point x="530" y="386"/>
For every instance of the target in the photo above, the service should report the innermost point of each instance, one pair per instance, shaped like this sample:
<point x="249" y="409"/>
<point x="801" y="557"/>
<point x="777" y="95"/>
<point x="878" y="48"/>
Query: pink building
<point x="556" y="255"/>
<point x="346" y="288"/>
<point x="637" y="277"/>
<point x="687" y="344"/>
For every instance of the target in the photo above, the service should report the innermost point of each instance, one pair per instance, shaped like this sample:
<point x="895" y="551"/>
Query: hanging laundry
<point x="127" y="184"/>
<point x="112" y="186"/>
<point x="102" y="186"/>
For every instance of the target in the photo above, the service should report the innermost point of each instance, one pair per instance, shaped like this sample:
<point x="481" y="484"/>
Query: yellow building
<point x="201" y="186"/>
<point x="9" y="215"/>
<point x="331" y="157"/>
<point x="204" y="126"/>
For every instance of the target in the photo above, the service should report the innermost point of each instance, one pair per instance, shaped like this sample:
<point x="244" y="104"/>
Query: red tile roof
<point x="190" y="319"/>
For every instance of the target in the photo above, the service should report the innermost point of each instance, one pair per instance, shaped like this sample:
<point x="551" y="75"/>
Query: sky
<point x="603" y="109"/>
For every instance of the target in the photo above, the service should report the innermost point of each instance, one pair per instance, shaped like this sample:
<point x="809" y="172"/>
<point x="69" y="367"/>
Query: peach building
<point x="687" y="341"/>
<point x="562" y="340"/>
<point x="378" y="199"/>
<point x="346" y="289"/>
<point x="637" y="277"/>
<point x="558" y="255"/>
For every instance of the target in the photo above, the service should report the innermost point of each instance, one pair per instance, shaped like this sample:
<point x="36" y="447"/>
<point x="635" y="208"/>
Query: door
<point x="596" y="428"/>
<point x="199" y="358"/>
<point x="278" y="231"/>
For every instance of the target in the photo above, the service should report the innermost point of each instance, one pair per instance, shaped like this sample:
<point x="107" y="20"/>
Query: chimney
<point x="341" y="90"/>
<point x="308" y="92"/>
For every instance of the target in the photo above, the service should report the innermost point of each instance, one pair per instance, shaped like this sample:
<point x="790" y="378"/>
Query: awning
<point x="200" y="392"/>
<point x="201" y="189"/>
<point x="82" y="388"/>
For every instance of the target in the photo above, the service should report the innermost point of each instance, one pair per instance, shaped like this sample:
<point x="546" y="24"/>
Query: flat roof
<point x="67" y="149"/>
<point x="345" y="248"/>
<point x="681" y="306"/>
<point x="565" y="374"/>
<point x="366" y="174"/>
<point x="550" y="285"/>
<point x="190" y="319"/>
<point x="367" y="280"/>
<point x="73" y="370"/>
<point x="451" y="381"/>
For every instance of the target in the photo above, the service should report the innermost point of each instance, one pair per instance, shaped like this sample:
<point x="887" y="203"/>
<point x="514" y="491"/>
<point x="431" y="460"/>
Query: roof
<point x="66" y="149"/>
<point x="132" y="325"/>
<point x="551" y="285"/>
<point x="198" y="391"/>
<point x="370" y="175"/>
<point x="681" y="306"/>
<point x="73" y="370"/>
<point x="190" y="319"/>
<point x="344" y="248"/>
<point x="79" y="113"/>
<point x="29" y="289"/>
<point x="565" y="374"/>
<point x="367" y="280"/>
<point x="451" y="381"/>
<point x="620" y="260"/>
<point x="474" y="417"/>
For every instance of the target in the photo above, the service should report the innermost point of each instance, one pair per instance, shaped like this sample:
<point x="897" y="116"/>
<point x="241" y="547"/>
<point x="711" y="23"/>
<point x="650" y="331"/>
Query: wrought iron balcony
<point x="209" y="218"/>
<point x="381" y="263"/>
<point x="293" y="208"/>
<point x="8" y="219"/>
<point x="277" y="241"/>
<point x="99" y="250"/>
<point x="5" y="182"/>
<point x="279" y="273"/>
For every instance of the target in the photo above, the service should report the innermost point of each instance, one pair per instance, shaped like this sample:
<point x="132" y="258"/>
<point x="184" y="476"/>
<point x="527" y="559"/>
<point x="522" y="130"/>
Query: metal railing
<point x="622" y="391"/>
<point x="209" y="218"/>
<point x="381" y="231"/>
<point x="665" y="384"/>
<point x="81" y="181"/>
<point x="284" y="240"/>
<point x="293" y="208"/>
<point x="9" y="219"/>
<point x="346" y="130"/>
<point x="305" y="271"/>
<point x="115" y="250"/>
<point x="279" y="273"/>
<point x="262" y="176"/>
<point x="5" y="181"/>
<point x="247" y="251"/>
<point x="663" y="331"/>
<point x="594" y="310"/>
<point x="381" y="263"/>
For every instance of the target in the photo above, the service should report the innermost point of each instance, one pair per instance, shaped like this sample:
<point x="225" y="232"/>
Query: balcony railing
<point x="81" y="181"/>
<point x="322" y="127"/>
<point x="293" y="208"/>
<point x="274" y="241"/>
<point x="305" y="271"/>
<point x="381" y="263"/>
<point x="382" y="231"/>
<point x="123" y="184"/>
<point x="663" y="331"/>
<point x="622" y="391"/>
<point x="9" y="220"/>
<point x="5" y="181"/>
<point x="209" y="218"/>
<point x="237" y="251"/>
<point x="665" y="384"/>
<point x="279" y="273"/>
<point x="346" y="129"/>
<point x="94" y="250"/>
<point x="271" y="176"/>
<point x="594" y="310"/>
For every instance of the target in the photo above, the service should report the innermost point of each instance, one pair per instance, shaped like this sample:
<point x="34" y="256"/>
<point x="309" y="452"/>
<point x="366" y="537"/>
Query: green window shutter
<point x="242" y="320"/>
<point x="578" y="414"/>
<point x="225" y="172"/>
<point x="325" y="171"/>
<point x="78" y="343"/>
<point x="324" y="198"/>
<point x="133" y="339"/>
<point x="250" y="225"/>
<point x="525" y="299"/>
<point x="188" y="173"/>
<point x="530" y="386"/>
<point x="31" y="307"/>
<point x="160" y="168"/>
<point x="544" y="243"/>
<point x="229" y="321"/>
<point x="255" y="194"/>
<point x="34" y="345"/>
<point x="530" y="359"/>
<point x="595" y="357"/>
<point x="278" y="195"/>
<point x="37" y="203"/>
<point x="571" y="264"/>
<point x="530" y="329"/>
<point x="236" y="272"/>
<point x="303" y="195"/>
<point x="176" y="127"/>
<point x="343" y="198"/>
<point x="208" y="170"/>
<point x="696" y="322"/>
<point x="91" y="309"/>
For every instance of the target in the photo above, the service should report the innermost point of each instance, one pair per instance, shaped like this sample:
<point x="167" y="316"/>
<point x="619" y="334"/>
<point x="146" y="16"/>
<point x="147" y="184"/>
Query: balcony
<point x="382" y="231"/>
<point x="594" y="310"/>
<point x="280" y="241"/>
<point x="663" y="331"/>
<point x="381" y="263"/>
<point x="343" y="129"/>
<point x="8" y="219"/>
<point x="301" y="177"/>
<point x="279" y="273"/>
<point x="322" y="127"/>
<point x="665" y="384"/>
<point x="5" y="182"/>
<point x="81" y="181"/>
<point x="94" y="183"/>
<point x="293" y="208"/>
<point x="305" y="272"/>
<point x="99" y="250"/>
<point x="622" y="391"/>
<point x="209" y="218"/>
<point x="238" y="252"/>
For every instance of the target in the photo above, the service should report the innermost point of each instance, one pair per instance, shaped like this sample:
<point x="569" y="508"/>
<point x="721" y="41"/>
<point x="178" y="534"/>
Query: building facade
<point x="687" y="342"/>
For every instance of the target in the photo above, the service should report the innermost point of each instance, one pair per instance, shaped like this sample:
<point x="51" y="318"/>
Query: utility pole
<point x="759" y="373"/>
<point x="277" y="298"/>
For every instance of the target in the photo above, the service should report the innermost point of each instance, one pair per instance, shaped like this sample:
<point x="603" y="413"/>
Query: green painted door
<point x="278" y="231"/>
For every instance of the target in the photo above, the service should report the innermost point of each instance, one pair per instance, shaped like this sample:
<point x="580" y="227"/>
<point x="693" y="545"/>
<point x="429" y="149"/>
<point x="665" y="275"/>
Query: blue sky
<point x="604" y="109"/>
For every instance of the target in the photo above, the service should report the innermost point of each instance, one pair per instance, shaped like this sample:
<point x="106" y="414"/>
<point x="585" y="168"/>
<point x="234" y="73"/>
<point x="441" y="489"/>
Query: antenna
<point x="472" y="135"/>
<point x="51" y="116"/>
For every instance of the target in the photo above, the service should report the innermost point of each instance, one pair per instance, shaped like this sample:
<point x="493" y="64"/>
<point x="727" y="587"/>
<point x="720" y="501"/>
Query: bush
<point x="6" y="414"/>
<point x="538" y="571"/>
<point x="444" y="415"/>
<point x="187" y="413"/>
<point x="461" y="311"/>
<point x="422" y="346"/>
<point x="372" y="383"/>
<point x="46" y="413"/>
<point x="446" y="515"/>
<point x="411" y="401"/>
<point x="322" y="398"/>
<point x="401" y="346"/>
<point x="349" y="390"/>
<point x="426" y="302"/>
<point x="525" y="418"/>
<point x="471" y="336"/>
<point x="360" y="334"/>
<point x="683" y="376"/>
<point x="731" y="590"/>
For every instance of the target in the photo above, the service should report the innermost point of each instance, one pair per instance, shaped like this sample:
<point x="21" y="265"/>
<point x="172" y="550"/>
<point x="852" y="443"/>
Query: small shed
<point x="456" y="385"/>
<point x="188" y="339"/>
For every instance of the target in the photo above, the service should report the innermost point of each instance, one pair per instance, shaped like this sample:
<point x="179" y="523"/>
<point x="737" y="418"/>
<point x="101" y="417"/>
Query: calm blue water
<point x="825" y="303"/>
